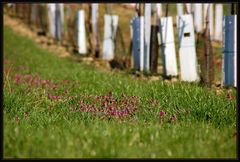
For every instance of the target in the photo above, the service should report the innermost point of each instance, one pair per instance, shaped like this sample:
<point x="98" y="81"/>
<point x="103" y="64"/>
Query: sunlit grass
<point x="36" y="126"/>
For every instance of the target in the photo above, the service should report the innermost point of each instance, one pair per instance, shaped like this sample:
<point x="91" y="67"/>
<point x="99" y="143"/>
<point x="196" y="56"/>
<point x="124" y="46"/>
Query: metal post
<point x="229" y="63"/>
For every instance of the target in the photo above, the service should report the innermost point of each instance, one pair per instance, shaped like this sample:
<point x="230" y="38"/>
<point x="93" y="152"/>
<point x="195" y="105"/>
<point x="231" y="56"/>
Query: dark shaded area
<point x="154" y="50"/>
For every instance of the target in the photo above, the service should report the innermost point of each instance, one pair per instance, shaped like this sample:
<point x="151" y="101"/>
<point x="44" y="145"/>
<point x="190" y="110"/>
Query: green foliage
<point x="36" y="126"/>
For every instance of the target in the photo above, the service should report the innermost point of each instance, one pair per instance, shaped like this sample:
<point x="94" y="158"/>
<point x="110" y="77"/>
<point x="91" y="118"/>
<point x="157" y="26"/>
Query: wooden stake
<point x="138" y="9"/>
<point x="141" y="6"/>
<point x="232" y="9"/>
<point x="206" y="47"/>
<point x="167" y="10"/>
<point x="154" y="42"/>
<point x="89" y="29"/>
<point x="121" y="38"/>
<point x="208" y="53"/>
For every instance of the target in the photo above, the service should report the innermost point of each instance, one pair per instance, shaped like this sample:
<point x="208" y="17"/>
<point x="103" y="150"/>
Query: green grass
<point x="205" y="125"/>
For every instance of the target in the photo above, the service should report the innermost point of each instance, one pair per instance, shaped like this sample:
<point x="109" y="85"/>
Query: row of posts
<point x="150" y="29"/>
<point x="187" y="24"/>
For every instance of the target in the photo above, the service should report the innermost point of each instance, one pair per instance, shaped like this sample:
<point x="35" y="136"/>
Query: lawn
<point x="57" y="107"/>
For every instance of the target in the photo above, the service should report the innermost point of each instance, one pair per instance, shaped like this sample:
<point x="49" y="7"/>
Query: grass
<point x="36" y="126"/>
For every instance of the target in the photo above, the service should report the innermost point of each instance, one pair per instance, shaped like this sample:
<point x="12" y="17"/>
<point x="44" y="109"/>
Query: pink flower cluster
<point x="109" y="106"/>
<point x="32" y="80"/>
<point x="163" y="116"/>
<point x="53" y="97"/>
<point x="36" y="81"/>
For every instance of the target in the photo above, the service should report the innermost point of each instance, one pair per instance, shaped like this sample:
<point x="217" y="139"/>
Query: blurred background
<point x="36" y="17"/>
